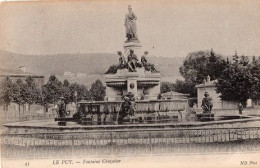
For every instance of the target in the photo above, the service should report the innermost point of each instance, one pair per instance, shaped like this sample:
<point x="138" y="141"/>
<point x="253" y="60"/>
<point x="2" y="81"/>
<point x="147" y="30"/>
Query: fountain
<point x="132" y="101"/>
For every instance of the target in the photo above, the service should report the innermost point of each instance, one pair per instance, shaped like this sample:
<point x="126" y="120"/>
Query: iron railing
<point x="134" y="142"/>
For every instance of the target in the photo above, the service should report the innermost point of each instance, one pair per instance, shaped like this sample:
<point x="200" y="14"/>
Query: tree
<point x="166" y="87"/>
<point x="97" y="91"/>
<point x="19" y="94"/>
<point x="235" y="58"/>
<point x="6" y="92"/>
<point x="31" y="92"/>
<point x="81" y="90"/>
<point x="244" y="60"/>
<point x="84" y="92"/>
<point x="215" y="65"/>
<point x="235" y="83"/>
<point x="66" y="92"/>
<point x="197" y="66"/>
<point x="185" y="87"/>
<point x="51" y="91"/>
<point x="255" y="71"/>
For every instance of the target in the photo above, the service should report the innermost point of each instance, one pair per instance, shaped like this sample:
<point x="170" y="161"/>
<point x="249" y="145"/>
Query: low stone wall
<point x="142" y="106"/>
<point x="221" y="112"/>
<point x="246" y="111"/>
<point x="26" y="127"/>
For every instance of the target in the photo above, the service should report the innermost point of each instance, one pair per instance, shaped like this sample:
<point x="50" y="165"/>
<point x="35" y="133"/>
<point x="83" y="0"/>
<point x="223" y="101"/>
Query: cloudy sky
<point x="165" y="28"/>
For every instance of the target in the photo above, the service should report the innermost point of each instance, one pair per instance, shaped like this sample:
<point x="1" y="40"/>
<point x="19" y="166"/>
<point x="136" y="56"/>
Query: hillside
<point x="94" y="65"/>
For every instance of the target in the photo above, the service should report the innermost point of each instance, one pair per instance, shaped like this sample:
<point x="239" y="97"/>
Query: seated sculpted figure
<point x="206" y="103"/>
<point x="146" y="65"/>
<point x="132" y="61"/>
<point x="122" y="61"/>
<point x="122" y="64"/>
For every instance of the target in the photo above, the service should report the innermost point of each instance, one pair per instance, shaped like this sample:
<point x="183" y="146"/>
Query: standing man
<point x="240" y="108"/>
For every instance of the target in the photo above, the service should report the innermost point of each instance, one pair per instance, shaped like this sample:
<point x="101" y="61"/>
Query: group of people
<point x="132" y="62"/>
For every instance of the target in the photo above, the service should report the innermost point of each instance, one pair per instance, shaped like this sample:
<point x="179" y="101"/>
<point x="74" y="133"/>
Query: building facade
<point x="22" y="74"/>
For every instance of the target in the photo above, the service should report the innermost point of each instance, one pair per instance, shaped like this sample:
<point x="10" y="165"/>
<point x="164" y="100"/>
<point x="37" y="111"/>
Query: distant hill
<point x="94" y="65"/>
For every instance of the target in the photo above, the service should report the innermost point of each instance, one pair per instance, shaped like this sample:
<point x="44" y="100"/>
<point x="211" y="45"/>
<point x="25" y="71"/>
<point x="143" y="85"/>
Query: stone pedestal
<point x="141" y="84"/>
<point x="136" y="46"/>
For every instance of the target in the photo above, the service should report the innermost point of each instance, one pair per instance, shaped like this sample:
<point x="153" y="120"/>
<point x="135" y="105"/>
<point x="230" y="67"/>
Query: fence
<point x="128" y="143"/>
<point x="27" y="117"/>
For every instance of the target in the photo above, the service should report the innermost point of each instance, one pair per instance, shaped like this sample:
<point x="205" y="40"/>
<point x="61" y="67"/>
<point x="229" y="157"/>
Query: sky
<point x="166" y="28"/>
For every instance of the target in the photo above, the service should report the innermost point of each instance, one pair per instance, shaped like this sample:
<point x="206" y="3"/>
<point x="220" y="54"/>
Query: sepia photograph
<point x="126" y="83"/>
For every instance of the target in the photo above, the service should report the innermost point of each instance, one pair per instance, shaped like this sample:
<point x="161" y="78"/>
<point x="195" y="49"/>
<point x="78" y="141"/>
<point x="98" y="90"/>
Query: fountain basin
<point x="50" y="126"/>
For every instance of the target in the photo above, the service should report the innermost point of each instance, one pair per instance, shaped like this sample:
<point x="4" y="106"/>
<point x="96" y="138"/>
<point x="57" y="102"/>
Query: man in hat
<point x="132" y="61"/>
<point x="146" y="65"/>
<point x="206" y="103"/>
<point x="61" y="107"/>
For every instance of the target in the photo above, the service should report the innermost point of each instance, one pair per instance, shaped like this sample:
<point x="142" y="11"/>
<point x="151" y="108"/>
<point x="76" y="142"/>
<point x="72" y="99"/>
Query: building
<point x="69" y="74"/>
<point x="21" y="73"/>
<point x="173" y="95"/>
<point x="210" y="87"/>
<point x="81" y="75"/>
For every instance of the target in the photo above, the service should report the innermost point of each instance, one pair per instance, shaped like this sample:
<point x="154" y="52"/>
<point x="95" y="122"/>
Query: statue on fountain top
<point x="132" y="61"/>
<point x="130" y="25"/>
<point x="147" y="66"/>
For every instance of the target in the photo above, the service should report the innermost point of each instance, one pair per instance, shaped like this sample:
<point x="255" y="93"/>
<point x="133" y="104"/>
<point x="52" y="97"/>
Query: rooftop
<point x="16" y="73"/>
<point x="171" y="93"/>
<point x="207" y="84"/>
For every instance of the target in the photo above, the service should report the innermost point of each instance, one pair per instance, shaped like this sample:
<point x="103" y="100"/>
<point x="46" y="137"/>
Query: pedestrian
<point x="240" y="108"/>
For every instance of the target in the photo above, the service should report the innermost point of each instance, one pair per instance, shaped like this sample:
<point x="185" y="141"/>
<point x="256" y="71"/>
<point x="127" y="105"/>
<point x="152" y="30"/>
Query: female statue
<point x="130" y="25"/>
